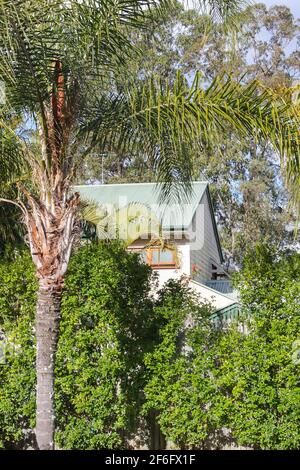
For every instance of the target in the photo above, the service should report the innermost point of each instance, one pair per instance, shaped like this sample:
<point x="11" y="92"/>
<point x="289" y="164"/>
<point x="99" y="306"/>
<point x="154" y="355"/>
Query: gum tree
<point x="61" y="64"/>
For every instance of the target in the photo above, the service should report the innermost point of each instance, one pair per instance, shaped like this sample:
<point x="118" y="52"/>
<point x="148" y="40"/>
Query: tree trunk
<point x="47" y="327"/>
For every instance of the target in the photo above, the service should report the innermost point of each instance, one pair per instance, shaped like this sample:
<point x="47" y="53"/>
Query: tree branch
<point x="9" y="201"/>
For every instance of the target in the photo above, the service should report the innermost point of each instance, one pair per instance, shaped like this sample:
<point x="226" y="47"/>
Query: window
<point x="214" y="272"/>
<point x="158" y="258"/>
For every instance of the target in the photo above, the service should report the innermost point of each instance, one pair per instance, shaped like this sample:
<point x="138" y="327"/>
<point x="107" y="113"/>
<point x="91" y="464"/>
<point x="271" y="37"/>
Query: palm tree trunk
<point x="47" y="327"/>
<point x="51" y="234"/>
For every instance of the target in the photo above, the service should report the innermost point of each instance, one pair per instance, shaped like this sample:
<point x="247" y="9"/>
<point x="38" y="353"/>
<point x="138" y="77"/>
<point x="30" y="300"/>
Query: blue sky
<point x="294" y="5"/>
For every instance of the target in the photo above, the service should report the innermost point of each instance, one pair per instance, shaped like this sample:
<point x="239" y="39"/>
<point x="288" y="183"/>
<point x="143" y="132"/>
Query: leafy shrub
<point x="203" y="382"/>
<point x="179" y="385"/>
<point x="17" y="375"/>
<point x="123" y="354"/>
<point x="257" y="376"/>
<point x="107" y="324"/>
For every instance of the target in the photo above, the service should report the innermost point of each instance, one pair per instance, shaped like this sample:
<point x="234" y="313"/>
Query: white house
<point x="189" y="230"/>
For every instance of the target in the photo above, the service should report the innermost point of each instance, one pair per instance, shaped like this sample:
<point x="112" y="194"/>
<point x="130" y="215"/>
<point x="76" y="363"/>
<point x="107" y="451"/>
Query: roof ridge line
<point x="125" y="184"/>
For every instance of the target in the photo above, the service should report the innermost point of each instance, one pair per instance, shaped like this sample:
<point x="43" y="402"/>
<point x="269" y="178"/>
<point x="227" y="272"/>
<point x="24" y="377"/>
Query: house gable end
<point x="206" y="253"/>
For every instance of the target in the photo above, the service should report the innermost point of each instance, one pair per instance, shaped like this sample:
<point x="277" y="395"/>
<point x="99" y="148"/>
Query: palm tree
<point x="60" y="62"/>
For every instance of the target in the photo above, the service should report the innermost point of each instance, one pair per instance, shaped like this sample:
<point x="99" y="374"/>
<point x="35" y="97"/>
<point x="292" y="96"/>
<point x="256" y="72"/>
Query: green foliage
<point x="245" y="378"/>
<point x="248" y="191"/>
<point x="166" y="122"/>
<point x="107" y="324"/>
<point x="122" y="355"/>
<point x="179" y="386"/>
<point x="170" y="119"/>
<point x="257" y="374"/>
<point x="11" y="167"/>
<point x="129" y="223"/>
<point x="17" y="374"/>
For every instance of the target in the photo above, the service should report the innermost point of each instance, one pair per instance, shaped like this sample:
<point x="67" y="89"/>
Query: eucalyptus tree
<point x="60" y="61"/>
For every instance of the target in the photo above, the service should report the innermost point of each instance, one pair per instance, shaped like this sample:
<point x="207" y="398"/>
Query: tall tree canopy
<point x="246" y="178"/>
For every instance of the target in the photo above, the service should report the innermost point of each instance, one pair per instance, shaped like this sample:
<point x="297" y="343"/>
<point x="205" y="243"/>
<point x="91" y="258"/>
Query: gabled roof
<point x="174" y="217"/>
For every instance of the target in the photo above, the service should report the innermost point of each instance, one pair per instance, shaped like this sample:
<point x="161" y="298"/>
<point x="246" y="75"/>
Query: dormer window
<point x="159" y="258"/>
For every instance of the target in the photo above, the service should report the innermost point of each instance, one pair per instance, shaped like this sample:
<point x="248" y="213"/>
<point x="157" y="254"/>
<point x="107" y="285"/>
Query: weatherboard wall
<point x="203" y="243"/>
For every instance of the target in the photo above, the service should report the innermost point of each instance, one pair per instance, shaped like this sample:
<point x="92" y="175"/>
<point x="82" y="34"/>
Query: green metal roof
<point x="172" y="216"/>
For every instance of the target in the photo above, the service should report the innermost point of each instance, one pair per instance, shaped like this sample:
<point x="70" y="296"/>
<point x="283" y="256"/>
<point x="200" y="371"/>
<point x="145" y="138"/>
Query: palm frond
<point x="163" y="121"/>
<point x="89" y="37"/>
<point x="128" y="223"/>
<point x="86" y="40"/>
